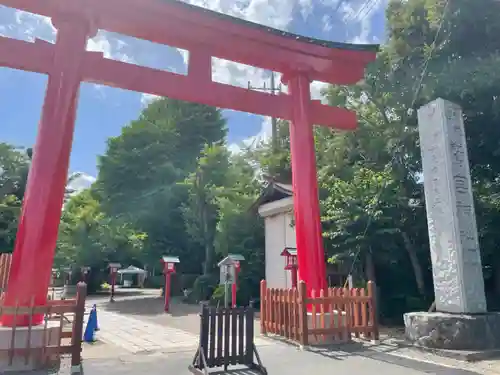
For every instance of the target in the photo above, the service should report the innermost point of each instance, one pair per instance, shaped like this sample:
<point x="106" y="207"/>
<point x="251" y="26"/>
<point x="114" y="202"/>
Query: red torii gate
<point x="204" y="34"/>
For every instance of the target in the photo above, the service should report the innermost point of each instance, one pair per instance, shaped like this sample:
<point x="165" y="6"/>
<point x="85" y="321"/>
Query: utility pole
<point x="274" y="122"/>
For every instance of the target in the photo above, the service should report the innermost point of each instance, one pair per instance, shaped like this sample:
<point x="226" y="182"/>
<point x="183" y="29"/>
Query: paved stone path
<point x="137" y="336"/>
<point x="140" y="335"/>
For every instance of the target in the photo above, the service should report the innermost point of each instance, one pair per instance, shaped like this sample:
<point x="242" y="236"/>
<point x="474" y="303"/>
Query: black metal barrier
<point x="226" y="339"/>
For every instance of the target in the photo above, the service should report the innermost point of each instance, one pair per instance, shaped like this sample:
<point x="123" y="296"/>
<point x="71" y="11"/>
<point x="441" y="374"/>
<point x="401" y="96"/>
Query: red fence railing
<point x="336" y="314"/>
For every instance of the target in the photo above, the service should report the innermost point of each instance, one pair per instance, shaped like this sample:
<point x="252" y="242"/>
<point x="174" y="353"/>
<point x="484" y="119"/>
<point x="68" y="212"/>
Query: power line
<point x="274" y="123"/>
<point x="418" y="87"/>
<point x="416" y="93"/>
<point x="364" y="10"/>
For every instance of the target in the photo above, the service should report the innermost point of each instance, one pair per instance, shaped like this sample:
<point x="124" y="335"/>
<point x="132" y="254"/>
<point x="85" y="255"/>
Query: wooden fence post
<point x="372" y="292"/>
<point x="304" y="332"/>
<point x="263" y="306"/>
<point x="204" y="328"/>
<point x="76" y="338"/>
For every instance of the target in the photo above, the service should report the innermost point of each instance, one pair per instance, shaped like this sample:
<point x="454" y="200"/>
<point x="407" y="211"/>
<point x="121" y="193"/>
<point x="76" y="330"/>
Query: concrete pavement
<point x="136" y="336"/>
<point x="279" y="359"/>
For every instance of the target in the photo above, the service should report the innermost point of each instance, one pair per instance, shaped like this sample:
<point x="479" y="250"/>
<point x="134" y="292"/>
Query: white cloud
<point x="29" y="26"/>
<point x="35" y="26"/>
<point x="273" y="13"/>
<point x="361" y="12"/>
<point x="326" y="21"/>
<point x="25" y="26"/>
<point x="306" y="8"/>
<point x="146" y="99"/>
<point x="79" y="181"/>
<point x="263" y="135"/>
<point x="317" y="88"/>
<point x="111" y="45"/>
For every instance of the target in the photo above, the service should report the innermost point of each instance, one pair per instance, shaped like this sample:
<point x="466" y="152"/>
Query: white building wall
<point x="290" y="241"/>
<point x="279" y="234"/>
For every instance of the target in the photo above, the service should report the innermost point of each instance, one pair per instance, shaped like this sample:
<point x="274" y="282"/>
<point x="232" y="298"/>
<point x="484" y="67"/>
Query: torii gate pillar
<point x="310" y="253"/>
<point x="42" y="205"/>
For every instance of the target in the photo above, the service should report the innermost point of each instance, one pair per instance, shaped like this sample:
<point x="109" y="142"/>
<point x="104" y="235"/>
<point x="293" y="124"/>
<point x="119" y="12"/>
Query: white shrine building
<point x="275" y="205"/>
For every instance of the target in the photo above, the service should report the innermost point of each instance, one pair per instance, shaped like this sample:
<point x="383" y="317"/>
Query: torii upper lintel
<point x="177" y="24"/>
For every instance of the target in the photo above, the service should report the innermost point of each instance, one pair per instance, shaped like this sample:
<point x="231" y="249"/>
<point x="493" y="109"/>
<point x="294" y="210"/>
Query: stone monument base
<point x="37" y="340"/>
<point x="435" y="330"/>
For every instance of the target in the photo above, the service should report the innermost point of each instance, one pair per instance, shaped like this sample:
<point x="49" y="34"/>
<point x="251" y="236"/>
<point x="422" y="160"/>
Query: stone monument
<point x="461" y="320"/>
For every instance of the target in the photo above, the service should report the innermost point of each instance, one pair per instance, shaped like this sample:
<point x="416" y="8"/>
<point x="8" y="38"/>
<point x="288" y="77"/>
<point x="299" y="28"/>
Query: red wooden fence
<point x="63" y="337"/>
<point x="5" y="261"/>
<point x="336" y="314"/>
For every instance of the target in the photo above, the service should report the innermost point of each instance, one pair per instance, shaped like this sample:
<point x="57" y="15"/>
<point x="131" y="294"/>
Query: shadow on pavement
<point x="387" y="354"/>
<point x="242" y="371"/>
<point x="282" y="359"/>
<point x="150" y="305"/>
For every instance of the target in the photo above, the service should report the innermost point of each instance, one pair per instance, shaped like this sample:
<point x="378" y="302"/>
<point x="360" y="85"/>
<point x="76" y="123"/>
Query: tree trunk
<point x="209" y="228"/>
<point x="206" y="238"/>
<point x="496" y="274"/>
<point x="417" y="268"/>
<point x="370" y="267"/>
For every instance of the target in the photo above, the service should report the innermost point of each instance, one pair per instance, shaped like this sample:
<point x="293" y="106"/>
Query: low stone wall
<point x="453" y="331"/>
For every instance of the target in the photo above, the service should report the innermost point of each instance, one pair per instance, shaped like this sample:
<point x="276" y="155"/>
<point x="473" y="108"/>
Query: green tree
<point x="154" y="152"/>
<point x="14" y="168"/>
<point x="87" y="237"/>
<point x="274" y="160"/>
<point x="201" y="209"/>
<point x="140" y="174"/>
<point x="240" y="230"/>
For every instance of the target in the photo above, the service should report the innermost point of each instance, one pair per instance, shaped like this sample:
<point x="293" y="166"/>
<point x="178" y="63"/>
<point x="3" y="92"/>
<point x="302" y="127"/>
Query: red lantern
<point x="168" y="269"/>
<point x="113" y="269"/>
<point x="85" y="271"/>
<point x="291" y="263"/>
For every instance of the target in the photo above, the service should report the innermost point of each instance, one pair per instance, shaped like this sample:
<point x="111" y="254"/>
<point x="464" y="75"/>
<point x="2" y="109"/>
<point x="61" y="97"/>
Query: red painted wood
<point x="113" y="283"/>
<point x="293" y="272"/>
<point x="32" y="57"/>
<point x="310" y="254"/>
<point x="158" y="82"/>
<point x="39" y="221"/>
<point x="168" y="279"/>
<point x="234" y="287"/>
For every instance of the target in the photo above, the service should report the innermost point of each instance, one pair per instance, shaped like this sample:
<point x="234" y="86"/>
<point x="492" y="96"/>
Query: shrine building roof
<point x="272" y="192"/>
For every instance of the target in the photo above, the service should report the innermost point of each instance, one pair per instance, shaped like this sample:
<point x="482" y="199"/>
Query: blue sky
<point x="103" y="111"/>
